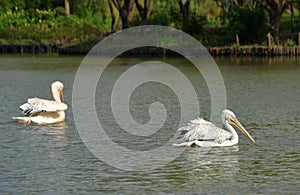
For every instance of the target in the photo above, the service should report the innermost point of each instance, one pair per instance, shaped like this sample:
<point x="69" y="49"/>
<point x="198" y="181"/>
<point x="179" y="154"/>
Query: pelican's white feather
<point x="37" y="105"/>
<point x="205" y="134"/>
<point x="42" y="111"/>
<point x="200" y="129"/>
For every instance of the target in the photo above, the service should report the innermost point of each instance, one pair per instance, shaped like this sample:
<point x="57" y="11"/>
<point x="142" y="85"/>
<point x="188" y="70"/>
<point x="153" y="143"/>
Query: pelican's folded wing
<point x="200" y="129"/>
<point x="36" y="105"/>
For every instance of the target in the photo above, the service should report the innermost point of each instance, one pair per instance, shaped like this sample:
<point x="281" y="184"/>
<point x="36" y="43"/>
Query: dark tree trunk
<point x="113" y="17"/>
<point x="185" y="12"/>
<point x="275" y="9"/>
<point x="275" y="24"/>
<point x="125" y="8"/>
<point x="144" y="10"/>
<point x="125" y="18"/>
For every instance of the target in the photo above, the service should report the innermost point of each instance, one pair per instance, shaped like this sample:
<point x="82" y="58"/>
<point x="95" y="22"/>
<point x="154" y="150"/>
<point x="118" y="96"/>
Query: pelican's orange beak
<point x="234" y="121"/>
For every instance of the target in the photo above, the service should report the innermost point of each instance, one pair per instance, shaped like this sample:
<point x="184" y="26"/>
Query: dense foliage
<point x="213" y="22"/>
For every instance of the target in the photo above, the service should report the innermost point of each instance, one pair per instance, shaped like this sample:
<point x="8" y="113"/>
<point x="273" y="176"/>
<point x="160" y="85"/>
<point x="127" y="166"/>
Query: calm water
<point x="264" y="93"/>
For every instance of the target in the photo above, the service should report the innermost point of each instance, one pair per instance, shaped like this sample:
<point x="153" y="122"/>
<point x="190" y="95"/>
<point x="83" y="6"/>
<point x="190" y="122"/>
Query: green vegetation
<point x="213" y="22"/>
<point x="39" y="26"/>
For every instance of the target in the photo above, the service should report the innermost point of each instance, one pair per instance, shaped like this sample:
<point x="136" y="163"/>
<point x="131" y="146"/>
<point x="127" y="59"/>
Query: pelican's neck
<point x="56" y="94"/>
<point x="235" y="138"/>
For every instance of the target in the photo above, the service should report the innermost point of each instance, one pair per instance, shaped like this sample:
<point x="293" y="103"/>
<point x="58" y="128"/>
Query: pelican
<point x="205" y="134"/>
<point x="42" y="111"/>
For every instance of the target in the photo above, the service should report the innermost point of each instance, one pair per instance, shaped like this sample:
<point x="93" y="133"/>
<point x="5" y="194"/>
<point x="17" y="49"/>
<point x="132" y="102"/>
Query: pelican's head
<point x="57" y="88"/>
<point x="229" y="117"/>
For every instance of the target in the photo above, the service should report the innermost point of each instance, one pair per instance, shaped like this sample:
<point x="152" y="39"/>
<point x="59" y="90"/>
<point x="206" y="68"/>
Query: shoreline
<point x="267" y="51"/>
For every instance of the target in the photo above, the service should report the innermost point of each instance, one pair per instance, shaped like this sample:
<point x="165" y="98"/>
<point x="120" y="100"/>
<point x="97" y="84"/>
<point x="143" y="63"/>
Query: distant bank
<point x="28" y="49"/>
<point x="153" y="51"/>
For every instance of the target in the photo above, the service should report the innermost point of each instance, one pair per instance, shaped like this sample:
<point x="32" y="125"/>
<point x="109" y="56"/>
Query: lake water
<point x="264" y="94"/>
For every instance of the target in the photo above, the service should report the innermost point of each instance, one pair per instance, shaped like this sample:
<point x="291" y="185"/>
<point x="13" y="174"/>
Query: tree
<point x="250" y="24"/>
<point x="275" y="9"/>
<point x="185" y="11"/>
<point x="67" y="6"/>
<point x="144" y="10"/>
<point x="32" y="4"/>
<point x="9" y="5"/>
<point x="125" y="8"/>
<point x="226" y="5"/>
<point x="115" y="23"/>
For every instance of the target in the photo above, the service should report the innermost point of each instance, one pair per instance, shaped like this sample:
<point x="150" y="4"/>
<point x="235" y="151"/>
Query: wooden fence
<point x="255" y="51"/>
<point x="31" y="48"/>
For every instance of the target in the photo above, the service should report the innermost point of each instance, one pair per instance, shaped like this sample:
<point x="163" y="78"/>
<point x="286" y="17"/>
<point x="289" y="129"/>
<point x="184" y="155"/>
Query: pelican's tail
<point x="23" y="119"/>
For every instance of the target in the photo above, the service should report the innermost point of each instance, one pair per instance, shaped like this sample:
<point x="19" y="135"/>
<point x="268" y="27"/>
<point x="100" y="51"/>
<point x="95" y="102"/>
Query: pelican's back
<point x="37" y="105"/>
<point x="200" y="129"/>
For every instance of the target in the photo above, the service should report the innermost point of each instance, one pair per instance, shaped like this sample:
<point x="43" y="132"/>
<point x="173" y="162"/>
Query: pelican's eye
<point x="230" y="119"/>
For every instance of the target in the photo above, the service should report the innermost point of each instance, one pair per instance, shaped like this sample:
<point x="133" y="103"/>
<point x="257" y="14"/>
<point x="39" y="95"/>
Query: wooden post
<point x="237" y="39"/>
<point x="67" y="6"/>
<point x="269" y="39"/>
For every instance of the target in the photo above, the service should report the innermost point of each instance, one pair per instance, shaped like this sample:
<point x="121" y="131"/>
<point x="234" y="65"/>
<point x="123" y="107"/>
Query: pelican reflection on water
<point x="205" y="134"/>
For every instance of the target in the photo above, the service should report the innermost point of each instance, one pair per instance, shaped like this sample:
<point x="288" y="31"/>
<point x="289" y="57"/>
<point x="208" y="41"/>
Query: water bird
<point x="42" y="111"/>
<point x="203" y="133"/>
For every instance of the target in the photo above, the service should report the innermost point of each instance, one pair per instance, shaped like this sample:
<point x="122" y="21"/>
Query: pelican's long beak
<point x="61" y="96"/>
<point x="234" y="121"/>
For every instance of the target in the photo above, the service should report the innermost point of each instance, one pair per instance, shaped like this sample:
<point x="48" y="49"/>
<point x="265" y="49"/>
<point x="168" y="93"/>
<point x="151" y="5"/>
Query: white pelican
<point x="205" y="134"/>
<point x="45" y="111"/>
